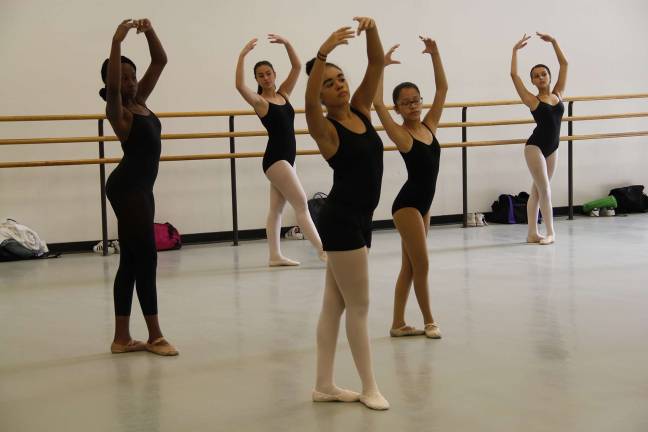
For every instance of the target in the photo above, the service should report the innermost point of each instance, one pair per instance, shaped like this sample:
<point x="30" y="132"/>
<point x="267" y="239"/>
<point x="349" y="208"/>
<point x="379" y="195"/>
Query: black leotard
<point x="130" y="191"/>
<point x="280" y="124"/>
<point x="546" y="135"/>
<point x="345" y="219"/>
<point x="422" y="162"/>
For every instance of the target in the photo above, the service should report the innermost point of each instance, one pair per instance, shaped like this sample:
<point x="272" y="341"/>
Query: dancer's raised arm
<point x="158" y="61"/>
<point x="433" y="116"/>
<point x="288" y="85"/>
<point x="364" y="95"/>
<point x="119" y="120"/>
<point x="559" y="87"/>
<point x="321" y="129"/>
<point x="526" y="96"/>
<point x="253" y="98"/>
<point x="396" y="132"/>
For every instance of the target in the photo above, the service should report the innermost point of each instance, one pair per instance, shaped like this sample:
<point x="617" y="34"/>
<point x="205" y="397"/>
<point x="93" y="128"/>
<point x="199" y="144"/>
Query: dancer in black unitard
<point x="420" y="150"/>
<point x="130" y="186"/>
<point x="540" y="152"/>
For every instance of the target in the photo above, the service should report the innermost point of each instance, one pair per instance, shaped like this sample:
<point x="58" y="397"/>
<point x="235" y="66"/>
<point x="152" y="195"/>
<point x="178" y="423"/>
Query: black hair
<point x="539" y="65"/>
<point x="310" y="63"/>
<point x="401" y="86"/>
<point x="104" y="73"/>
<point x="258" y="65"/>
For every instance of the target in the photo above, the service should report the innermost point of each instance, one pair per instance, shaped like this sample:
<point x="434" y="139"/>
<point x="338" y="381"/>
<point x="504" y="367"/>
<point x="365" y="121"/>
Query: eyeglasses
<point x="411" y="103"/>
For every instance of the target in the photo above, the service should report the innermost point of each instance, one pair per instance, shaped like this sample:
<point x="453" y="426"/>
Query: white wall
<point x="52" y="51"/>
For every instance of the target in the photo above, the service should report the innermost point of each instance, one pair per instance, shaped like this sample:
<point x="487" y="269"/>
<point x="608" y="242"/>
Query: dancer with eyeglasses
<point x="417" y="143"/>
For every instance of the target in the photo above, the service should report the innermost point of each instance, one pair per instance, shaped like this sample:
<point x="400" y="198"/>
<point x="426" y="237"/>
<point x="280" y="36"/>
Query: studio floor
<point x="535" y="338"/>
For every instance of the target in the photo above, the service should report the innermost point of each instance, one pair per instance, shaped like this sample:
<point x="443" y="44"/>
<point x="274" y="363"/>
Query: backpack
<point x="315" y="205"/>
<point x="167" y="237"/>
<point x="630" y="199"/>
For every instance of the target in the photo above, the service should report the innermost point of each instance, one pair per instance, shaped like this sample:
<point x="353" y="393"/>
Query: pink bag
<point x="167" y="236"/>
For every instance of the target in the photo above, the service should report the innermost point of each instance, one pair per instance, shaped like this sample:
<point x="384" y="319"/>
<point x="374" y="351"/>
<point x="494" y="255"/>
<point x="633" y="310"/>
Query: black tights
<point x="138" y="255"/>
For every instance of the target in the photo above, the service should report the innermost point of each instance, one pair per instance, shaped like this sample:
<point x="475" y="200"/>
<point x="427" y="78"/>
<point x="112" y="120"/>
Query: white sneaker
<point x="98" y="248"/>
<point x="593" y="212"/>
<point x="480" y="220"/>
<point x="294" y="233"/>
<point x="607" y="212"/>
<point x="471" y="222"/>
<point x="115" y="245"/>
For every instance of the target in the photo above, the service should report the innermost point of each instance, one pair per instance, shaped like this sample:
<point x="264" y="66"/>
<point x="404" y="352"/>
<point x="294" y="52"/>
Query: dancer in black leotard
<point x="540" y="151"/>
<point x="130" y="186"/>
<point x="345" y="219"/>
<point x="282" y="145"/>
<point x="278" y="117"/>
<point x="422" y="163"/>
<point x="420" y="149"/>
<point x="349" y="143"/>
<point x="546" y="134"/>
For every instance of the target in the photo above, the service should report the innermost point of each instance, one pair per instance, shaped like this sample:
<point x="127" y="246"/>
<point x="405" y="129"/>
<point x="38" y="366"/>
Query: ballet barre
<point x="232" y="155"/>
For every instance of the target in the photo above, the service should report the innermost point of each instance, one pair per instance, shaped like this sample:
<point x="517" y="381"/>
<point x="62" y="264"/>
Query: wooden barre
<point x="261" y="133"/>
<point x="28" y="164"/>
<point x="61" y="117"/>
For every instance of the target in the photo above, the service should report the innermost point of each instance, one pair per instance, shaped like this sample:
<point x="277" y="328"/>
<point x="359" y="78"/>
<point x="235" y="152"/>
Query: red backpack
<point x="167" y="237"/>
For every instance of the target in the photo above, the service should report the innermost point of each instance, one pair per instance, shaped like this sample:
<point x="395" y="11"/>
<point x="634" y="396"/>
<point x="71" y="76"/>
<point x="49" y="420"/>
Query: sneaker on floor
<point x="471" y="220"/>
<point x="294" y="233"/>
<point x="99" y="248"/>
<point x="607" y="212"/>
<point x="480" y="220"/>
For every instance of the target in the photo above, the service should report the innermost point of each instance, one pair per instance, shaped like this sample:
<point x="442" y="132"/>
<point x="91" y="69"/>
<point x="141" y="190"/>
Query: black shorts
<point x="342" y="228"/>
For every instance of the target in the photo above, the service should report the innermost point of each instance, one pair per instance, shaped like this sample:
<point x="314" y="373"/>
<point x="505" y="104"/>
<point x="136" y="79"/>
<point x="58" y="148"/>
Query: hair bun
<point x="309" y="66"/>
<point x="102" y="93"/>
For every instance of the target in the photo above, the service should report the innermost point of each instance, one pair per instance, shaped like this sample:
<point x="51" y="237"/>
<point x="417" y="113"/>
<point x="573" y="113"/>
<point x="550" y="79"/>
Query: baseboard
<point x="258" y="234"/>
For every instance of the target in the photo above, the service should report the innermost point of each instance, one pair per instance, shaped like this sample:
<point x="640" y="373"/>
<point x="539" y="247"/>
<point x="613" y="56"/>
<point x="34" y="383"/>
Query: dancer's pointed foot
<point x="374" y="400"/>
<point x="161" y="347"/>
<point x="548" y="240"/>
<point x="432" y="331"/>
<point x="282" y="262"/>
<point x="336" y="394"/>
<point x="130" y="346"/>
<point x="405" y="331"/>
<point x="534" y="238"/>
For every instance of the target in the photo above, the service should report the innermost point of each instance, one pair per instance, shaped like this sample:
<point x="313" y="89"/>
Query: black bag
<point x="502" y="210"/>
<point x="630" y="199"/>
<point x="510" y="209"/>
<point x="315" y="205"/>
<point x="520" y="207"/>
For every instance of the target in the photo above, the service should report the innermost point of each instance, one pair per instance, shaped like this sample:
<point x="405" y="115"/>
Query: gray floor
<point x="535" y="339"/>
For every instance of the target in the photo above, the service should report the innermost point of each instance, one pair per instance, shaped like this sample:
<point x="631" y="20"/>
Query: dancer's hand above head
<point x="545" y="37"/>
<point x="276" y="39"/>
<point x="364" y="24"/>
<point x="522" y="42"/>
<point x="430" y="45"/>
<point x="249" y="47"/>
<point x="339" y="37"/>
<point x="143" y="25"/>
<point x="388" y="56"/>
<point x="122" y="30"/>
